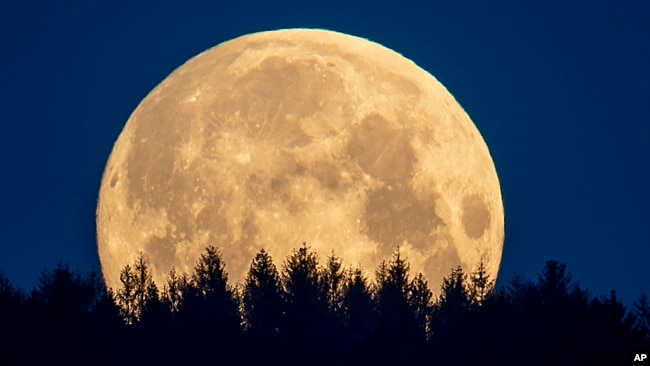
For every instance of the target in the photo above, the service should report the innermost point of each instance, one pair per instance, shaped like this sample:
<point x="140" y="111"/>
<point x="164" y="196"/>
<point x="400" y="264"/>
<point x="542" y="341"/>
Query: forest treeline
<point x="309" y="313"/>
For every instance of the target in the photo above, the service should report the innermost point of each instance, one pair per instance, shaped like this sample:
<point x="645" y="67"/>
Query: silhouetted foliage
<point x="312" y="314"/>
<point x="64" y="294"/>
<point x="455" y="300"/>
<point x="450" y="317"/>
<point x="262" y="300"/>
<point x="174" y="290"/>
<point x="359" y="310"/>
<point x="59" y="311"/>
<point x="138" y="294"/>
<point x="305" y="323"/>
<point x="15" y="322"/>
<point x="481" y="286"/>
<point x="397" y="333"/>
<point x="420" y="299"/>
<point x="210" y="277"/>
<point x="301" y="279"/>
<point x="210" y="309"/>
<point x="10" y="299"/>
<point x="332" y="281"/>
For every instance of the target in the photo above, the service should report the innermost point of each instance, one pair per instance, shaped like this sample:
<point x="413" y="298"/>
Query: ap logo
<point x="639" y="358"/>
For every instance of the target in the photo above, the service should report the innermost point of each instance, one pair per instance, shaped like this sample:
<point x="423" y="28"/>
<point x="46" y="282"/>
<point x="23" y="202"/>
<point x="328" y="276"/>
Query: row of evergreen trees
<point x="312" y="314"/>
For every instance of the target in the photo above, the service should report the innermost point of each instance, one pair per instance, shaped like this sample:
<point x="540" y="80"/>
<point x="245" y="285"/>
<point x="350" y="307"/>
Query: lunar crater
<point x="114" y="180"/>
<point x="398" y="215"/>
<point x="475" y="216"/>
<point x="381" y="149"/>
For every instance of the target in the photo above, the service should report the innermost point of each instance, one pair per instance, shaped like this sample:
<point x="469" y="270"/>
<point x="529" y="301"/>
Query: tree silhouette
<point x="10" y="301"/>
<point x="65" y="295"/>
<point x="552" y="316"/>
<point x="142" y="311"/>
<point x="455" y="300"/>
<point x="359" y="310"/>
<point x="450" y="318"/>
<point x="301" y="278"/>
<point x="126" y="295"/>
<point x="522" y="292"/>
<point x="397" y="325"/>
<point x="17" y="324"/>
<point x="555" y="284"/>
<point x="262" y="298"/>
<point x="138" y="294"/>
<point x="209" y="314"/>
<point x="305" y="307"/>
<point x="210" y="277"/>
<point x="61" y="304"/>
<point x="174" y="290"/>
<point x="420" y="301"/>
<point x="608" y="328"/>
<point x="481" y="286"/>
<point x="106" y="327"/>
<point x="332" y="281"/>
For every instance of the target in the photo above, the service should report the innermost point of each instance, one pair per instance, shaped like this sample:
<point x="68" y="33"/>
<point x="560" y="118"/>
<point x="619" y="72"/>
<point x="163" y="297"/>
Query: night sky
<point x="560" y="93"/>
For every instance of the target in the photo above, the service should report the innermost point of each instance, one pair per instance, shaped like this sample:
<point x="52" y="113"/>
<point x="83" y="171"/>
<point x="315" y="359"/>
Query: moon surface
<point x="283" y="137"/>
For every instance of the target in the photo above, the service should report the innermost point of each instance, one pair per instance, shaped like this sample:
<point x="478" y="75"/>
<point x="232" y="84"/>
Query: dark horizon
<point x="499" y="284"/>
<point x="315" y="312"/>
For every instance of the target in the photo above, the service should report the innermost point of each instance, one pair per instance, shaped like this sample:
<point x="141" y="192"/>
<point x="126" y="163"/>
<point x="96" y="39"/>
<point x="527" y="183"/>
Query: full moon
<point x="283" y="137"/>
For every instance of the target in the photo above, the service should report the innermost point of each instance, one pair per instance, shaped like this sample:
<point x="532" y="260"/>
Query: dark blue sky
<point x="560" y="92"/>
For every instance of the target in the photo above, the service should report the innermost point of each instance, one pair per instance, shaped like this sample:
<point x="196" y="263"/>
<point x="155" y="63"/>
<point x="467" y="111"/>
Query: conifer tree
<point x="305" y="306"/>
<point x="262" y="297"/>
<point x="209" y="313"/>
<point x="126" y="295"/>
<point x="148" y="298"/>
<point x="481" y="286"/>
<point x="398" y="273"/>
<point x="174" y="290"/>
<point x="65" y="294"/>
<point x="332" y="282"/>
<point x="301" y="279"/>
<point x="138" y="294"/>
<point x="392" y="288"/>
<point x="10" y="301"/>
<point x="62" y="302"/>
<point x="522" y="292"/>
<point x="397" y="329"/>
<point x="359" y="318"/>
<point x="450" y="320"/>
<point x="358" y="307"/>
<point x="210" y="276"/>
<point x="16" y="322"/>
<point x="8" y="292"/>
<point x="107" y="329"/>
<point x="454" y="301"/>
<point x="381" y="275"/>
<point x="420" y="301"/>
<point x="557" y="289"/>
